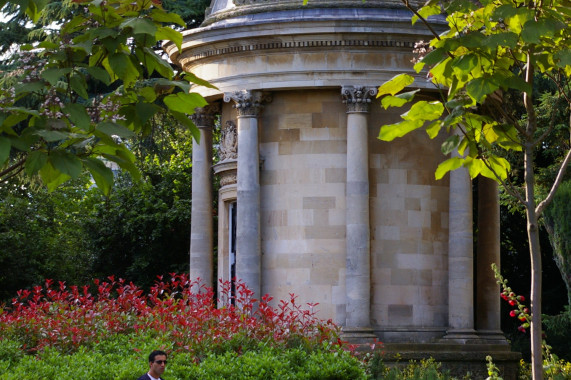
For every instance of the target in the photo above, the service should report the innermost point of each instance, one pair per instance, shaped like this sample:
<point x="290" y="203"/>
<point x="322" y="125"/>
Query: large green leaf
<point x="169" y="34"/>
<point x="506" y="39"/>
<point x="114" y="129"/>
<point x="66" y="163"/>
<point x="185" y="103"/>
<point x="533" y="31"/>
<point x="424" y="111"/>
<point x="77" y="114"/>
<point x="448" y="165"/>
<point x="36" y="160"/>
<point x="54" y="74"/>
<point x="159" y="15"/>
<point x="102" y="175"/>
<point x="398" y="100"/>
<point x="426" y="11"/>
<point x="122" y="67"/>
<point x="395" y="85"/>
<point x="199" y="81"/>
<point x="78" y="84"/>
<point x="52" y="136"/>
<point x="99" y="74"/>
<point x="184" y="120"/>
<point x="450" y="144"/>
<point x="392" y="131"/>
<point x="140" y="26"/>
<point x="480" y="87"/>
<point x="52" y="177"/>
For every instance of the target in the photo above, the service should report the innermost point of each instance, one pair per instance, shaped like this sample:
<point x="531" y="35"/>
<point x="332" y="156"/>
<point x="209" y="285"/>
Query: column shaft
<point x="460" y="258"/>
<point x="358" y="267"/>
<point x="249" y="105"/>
<point x="201" y="229"/>
<point x="487" y="290"/>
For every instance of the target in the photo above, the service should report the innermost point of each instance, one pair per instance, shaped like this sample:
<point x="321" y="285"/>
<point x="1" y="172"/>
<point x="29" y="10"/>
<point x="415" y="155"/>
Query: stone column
<point x="201" y="234"/>
<point x="358" y="267"/>
<point x="249" y="105"/>
<point x="487" y="290"/>
<point x="460" y="259"/>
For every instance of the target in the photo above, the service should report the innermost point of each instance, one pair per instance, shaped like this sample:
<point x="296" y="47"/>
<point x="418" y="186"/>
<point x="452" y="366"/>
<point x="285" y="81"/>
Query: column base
<point x="493" y="337"/>
<point x="358" y="335"/>
<point x="462" y="336"/>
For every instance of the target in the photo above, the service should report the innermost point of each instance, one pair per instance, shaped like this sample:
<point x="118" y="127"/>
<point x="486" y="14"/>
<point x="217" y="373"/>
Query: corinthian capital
<point x="358" y="98"/>
<point x="204" y="116"/>
<point x="248" y="103"/>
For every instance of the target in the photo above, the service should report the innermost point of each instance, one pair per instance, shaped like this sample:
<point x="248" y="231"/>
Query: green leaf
<point x="168" y="34"/>
<point x="114" y="129"/>
<point x="78" y="84"/>
<point x="53" y="74"/>
<point x="185" y="103"/>
<point x="424" y="110"/>
<point x="140" y="26"/>
<point x="199" y="81"/>
<point x="433" y="128"/>
<point x="392" y="131"/>
<point x="480" y="87"/>
<point x="395" y="84"/>
<point x="25" y="88"/>
<point x="123" y="68"/>
<point x="398" y="100"/>
<point x="52" y="177"/>
<point x="450" y="144"/>
<point x="77" y="114"/>
<point x="448" y="165"/>
<point x="99" y="74"/>
<point x="48" y="45"/>
<point x="35" y="161"/>
<point x="426" y="11"/>
<point x="515" y="82"/>
<point x="145" y="111"/>
<point x="506" y="39"/>
<point x="5" y="146"/>
<point x="533" y="31"/>
<point x="52" y="136"/>
<point x="102" y="175"/>
<point x="159" y="15"/>
<point x="66" y="163"/>
<point x="187" y="122"/>
<point x="160" y="65"/>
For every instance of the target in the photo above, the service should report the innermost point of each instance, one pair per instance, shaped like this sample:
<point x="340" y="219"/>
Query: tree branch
<point x="10" y="169"/>
<point x="541" y="206"/>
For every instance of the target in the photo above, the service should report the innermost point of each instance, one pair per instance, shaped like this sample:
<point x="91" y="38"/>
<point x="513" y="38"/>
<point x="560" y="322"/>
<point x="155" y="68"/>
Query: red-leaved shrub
<point x="68" y="317"/>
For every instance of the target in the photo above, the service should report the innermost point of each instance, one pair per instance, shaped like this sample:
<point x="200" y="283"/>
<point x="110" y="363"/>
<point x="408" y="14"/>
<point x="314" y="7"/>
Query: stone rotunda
<point x="312" y="203"/>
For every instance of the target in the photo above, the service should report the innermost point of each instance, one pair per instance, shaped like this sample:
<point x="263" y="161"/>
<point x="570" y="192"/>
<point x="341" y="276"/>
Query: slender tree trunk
<point x="535" y="256"/>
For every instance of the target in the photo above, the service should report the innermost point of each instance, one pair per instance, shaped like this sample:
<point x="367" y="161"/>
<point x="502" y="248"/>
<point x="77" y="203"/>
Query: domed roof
<point x="258" y="10"/>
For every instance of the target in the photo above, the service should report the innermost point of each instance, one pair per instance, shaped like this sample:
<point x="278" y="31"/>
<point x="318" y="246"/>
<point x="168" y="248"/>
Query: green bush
<point x="124" y="357"/>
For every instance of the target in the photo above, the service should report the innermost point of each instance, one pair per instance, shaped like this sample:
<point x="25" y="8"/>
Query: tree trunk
<point x="535" y="256"/>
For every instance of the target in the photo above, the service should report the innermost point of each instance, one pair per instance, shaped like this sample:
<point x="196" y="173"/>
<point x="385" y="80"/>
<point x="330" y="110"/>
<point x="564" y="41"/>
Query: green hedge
<point x="124" y="357"/>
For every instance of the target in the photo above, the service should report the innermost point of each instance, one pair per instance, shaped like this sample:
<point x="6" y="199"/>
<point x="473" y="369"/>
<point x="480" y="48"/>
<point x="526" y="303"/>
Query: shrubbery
<point x="73" y="333"/>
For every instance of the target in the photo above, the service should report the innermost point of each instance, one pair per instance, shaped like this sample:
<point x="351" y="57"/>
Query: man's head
<point x="157" y="363"/>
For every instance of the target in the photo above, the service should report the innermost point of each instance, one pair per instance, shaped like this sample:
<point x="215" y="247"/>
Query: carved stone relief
<point x="358" y="98"/>
<point x="228" y="149"/>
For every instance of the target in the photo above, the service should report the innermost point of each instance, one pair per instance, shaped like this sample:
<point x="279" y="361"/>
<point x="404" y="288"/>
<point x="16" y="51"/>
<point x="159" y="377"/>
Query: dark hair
<point x="154" y="354"/>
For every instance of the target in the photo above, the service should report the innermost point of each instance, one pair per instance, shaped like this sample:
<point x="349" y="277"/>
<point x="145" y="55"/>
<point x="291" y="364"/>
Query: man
<point x="157" y="363"/>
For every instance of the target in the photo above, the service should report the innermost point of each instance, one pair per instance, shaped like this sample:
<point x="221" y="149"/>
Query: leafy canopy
<point x="483" y="53"/>
<point x="54" y="126"/>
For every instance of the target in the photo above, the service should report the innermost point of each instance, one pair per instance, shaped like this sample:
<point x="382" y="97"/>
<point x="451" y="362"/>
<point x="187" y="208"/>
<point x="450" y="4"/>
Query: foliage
<point x="558" y="329"/>
<point x="556" y="220"/>
<point x="67" y="319"/>
<point x="53" y="127"/>
<point x="79" y="333"/>
<point x="39" y="235"/>
<point x="490" y="48"/>
<point x="426" y="369"/>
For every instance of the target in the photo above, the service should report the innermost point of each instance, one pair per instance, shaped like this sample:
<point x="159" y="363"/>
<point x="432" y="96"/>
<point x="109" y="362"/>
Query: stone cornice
<point x="202" y="53"/>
